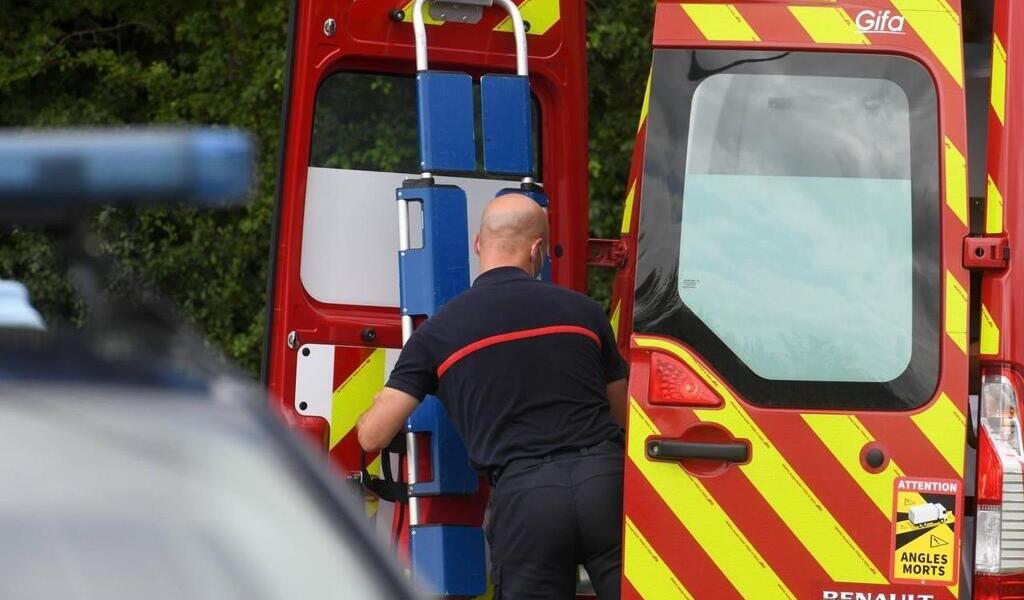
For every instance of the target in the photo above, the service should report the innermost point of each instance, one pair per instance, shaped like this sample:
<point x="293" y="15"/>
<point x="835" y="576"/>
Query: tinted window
<point x="789" y="228"/>
<point x="366" y="122"/>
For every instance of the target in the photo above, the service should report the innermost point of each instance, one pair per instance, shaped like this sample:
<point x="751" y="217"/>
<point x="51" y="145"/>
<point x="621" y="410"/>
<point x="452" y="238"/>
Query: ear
<point x="476" y="243"/>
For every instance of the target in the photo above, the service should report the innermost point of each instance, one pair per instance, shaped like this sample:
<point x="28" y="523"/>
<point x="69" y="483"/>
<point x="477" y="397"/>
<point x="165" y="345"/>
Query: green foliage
<point x="110" y="62"/>
<point x="618" y="65"/>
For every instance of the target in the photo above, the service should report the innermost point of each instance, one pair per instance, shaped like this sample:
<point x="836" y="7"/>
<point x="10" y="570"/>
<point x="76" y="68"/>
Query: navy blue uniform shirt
<point x="521" y="365"/>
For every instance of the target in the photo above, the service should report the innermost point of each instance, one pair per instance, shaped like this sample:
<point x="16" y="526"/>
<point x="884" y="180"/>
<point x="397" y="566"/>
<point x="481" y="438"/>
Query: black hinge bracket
<point x="986" y="252"/>
<point x="607" y="254"/>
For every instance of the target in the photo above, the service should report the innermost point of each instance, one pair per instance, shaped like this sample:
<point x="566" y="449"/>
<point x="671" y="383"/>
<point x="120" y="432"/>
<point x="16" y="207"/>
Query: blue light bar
<point x="68" y="170"/>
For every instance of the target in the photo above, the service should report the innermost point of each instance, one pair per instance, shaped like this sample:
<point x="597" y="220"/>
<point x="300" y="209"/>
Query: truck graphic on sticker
<point x="923" y="514"/>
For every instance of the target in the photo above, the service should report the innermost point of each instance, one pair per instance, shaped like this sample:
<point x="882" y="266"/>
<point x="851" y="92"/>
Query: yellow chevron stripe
<point x="627" y="210"/>
<point x="828" y="25"/>
<point x="989" y="333"/>
<point x="998" y="78"/>
<point x="353" y="397"/>
<point x="645" y="570"/>
<point x="945" y="426"/>
<point x="701" y="514"/>
<point x="721" y="22"/>
<point x="939" y="26"/>
<point x="407" y="9"/>
<point x="956" y="181"/>
<point x="541" y="14"/>
<point x="615" y="319"/>
<point x="845" y="436"/>
<point x="993" y="208"/>
<point x="646" y="106"/>
<point x="956" y="311"/>
<point x="770" y="473"/>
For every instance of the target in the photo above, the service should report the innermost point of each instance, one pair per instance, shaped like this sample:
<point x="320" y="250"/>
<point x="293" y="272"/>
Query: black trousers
<point x="547" y="516"/>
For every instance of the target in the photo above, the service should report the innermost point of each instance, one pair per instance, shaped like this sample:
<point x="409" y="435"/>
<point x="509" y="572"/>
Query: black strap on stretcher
<point x="384" y="487"/>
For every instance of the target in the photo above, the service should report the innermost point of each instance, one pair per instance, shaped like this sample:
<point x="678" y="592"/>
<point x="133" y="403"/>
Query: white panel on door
<point x="314" y="380"/>
<point x="350" y="233"/>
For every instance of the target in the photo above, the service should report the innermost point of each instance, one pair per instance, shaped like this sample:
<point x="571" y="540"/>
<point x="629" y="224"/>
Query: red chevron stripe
<point x="831" y="484"/>
<point x="774" y="25"/>
<point x="346" y="452"/>
<point x="346" y="360"/>
<point x="673" y="542"/>
<point x="905" y="442"/>
<point x="848" y="504"/>
<point x="673" y="26"/>
<point x="752" y="514"/>
<point x="759" y="522"/>
<point x="629" y="592"/>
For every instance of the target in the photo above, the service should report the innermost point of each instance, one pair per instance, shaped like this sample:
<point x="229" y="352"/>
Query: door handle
<point x="734" y="452"/>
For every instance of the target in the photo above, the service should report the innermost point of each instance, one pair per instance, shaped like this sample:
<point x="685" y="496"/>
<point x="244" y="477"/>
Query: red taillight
<point x="1006" y="587"/>
<point x="990" y="471"/>
<point x="999" y="531"/>
<point x="673" y="383"/>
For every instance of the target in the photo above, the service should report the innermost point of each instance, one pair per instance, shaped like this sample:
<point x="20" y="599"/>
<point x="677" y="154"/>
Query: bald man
<point x="531" y="377"/>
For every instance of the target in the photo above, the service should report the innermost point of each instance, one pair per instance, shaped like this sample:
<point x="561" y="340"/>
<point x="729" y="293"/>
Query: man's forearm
<point x="381" y="423"/>
<point x="369" y="436"/>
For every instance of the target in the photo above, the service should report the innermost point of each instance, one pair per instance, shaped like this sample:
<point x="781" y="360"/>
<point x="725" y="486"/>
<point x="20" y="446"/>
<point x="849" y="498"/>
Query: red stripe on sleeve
<point x="512" y="336"/>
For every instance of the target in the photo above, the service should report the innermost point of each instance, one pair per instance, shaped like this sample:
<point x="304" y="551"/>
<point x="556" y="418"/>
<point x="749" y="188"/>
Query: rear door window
<point x="789" y="229"/>
<point x="364" y="145"/>
<point x="827" y="262"/>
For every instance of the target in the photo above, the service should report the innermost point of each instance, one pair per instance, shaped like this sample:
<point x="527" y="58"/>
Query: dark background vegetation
<point x="112" y="62"/>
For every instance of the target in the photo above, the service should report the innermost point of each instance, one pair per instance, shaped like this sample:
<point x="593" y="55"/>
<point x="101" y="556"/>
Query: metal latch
<point x="990" y="252"/>
<point x="459" y="11"/>
<point x="607" y="254"/>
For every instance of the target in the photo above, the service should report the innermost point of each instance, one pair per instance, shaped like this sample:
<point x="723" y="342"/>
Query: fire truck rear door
<point x="799" y="358"/>
<point x="350" y="139"/>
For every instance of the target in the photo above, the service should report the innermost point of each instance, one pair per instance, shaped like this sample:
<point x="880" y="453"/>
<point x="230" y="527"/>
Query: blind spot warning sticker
<point x="925" y="545"/>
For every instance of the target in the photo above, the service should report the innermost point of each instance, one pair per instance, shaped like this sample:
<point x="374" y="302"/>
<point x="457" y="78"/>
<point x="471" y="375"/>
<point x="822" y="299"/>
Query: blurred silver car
<point x="120" y="480"/>
<point x="133" y="462"/>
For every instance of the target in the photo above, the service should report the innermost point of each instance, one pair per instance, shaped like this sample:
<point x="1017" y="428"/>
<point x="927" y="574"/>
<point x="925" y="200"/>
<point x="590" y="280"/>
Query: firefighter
<point x="531" y="377"/>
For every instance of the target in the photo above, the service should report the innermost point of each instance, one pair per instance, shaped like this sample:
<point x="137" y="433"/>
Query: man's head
<point x="513" y="233"/>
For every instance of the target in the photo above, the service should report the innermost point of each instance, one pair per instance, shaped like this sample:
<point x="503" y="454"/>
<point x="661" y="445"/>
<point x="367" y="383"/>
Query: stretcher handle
<point x="661" y="449"/>
<point x="518" y="31"/>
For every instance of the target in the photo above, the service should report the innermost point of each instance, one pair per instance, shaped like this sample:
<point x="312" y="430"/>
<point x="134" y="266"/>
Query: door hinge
<point x="988" y="252"/>
<point x="607" y="254"/>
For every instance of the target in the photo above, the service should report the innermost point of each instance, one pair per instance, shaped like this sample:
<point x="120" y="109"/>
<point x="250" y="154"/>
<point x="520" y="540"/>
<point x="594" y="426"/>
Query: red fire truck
<point x="815" y="286"/>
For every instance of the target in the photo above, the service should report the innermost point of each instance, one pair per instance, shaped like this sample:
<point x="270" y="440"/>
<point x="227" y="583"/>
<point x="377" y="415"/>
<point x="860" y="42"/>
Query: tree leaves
<point x="111" y="62"/>
<point x="618" y="63"/>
